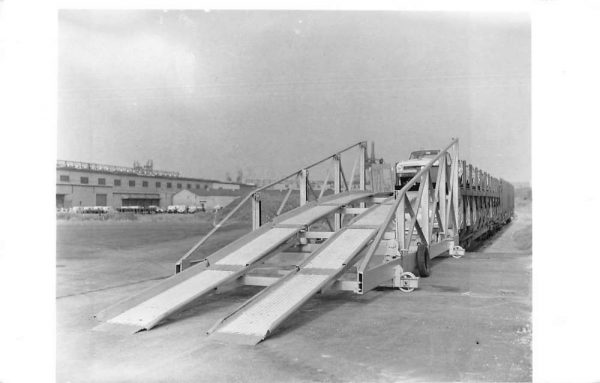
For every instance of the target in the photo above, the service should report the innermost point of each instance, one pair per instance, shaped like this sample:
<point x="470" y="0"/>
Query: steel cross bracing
<point x="301" y="176"/>
<point x="147" y="309"/>
<point x="258" y="317"/>
<point x="456" y="206"/>
<point x="428" y="217"/>
<point x="485" y="205"/>
<point x="227" y="265"/>
<point x="386" y="239"/>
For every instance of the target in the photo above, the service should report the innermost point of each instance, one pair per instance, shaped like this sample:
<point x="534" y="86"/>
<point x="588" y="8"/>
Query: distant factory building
<point x="225" y="186"/>
<point x="89" y="184"/>
<point x="187" y="198"/>
<point x="208" y="202"/>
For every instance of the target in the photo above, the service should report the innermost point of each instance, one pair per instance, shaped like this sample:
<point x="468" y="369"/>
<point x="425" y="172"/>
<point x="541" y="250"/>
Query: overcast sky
<point x="206" y="93"/>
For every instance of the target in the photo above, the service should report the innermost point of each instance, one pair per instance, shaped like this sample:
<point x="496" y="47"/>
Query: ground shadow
<point x="320" y="305"/>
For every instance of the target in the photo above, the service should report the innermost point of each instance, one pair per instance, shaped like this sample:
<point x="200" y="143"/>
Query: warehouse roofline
<point x="128" y="171"/>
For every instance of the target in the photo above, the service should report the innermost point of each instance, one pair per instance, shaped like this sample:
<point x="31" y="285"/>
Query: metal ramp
<point x="147" y="309"/>
<point x="394" y="234"/>
<point x="259" y="316"/>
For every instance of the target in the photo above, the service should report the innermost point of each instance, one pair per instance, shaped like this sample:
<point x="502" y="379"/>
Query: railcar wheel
<point x="456" y="255"/>
<point x="406" y="275"/>
<point x="423" y="260"/>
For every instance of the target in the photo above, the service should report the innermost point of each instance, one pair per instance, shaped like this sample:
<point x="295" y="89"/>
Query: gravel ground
<point x="469" y="321"/>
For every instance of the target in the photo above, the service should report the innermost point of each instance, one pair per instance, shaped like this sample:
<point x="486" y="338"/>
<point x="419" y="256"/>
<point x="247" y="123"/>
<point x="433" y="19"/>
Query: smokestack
<point x="372" y="152"/>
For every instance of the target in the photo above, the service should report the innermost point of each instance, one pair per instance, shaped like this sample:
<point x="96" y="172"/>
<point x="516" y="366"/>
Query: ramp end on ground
<point x="118" y="328"/>
<point x="241" y="339"/>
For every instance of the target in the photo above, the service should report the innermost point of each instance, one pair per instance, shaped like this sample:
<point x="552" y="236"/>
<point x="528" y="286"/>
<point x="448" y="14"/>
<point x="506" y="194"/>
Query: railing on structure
<point x="444" y="205"/>
<point x="61" y="164"/>
<point x="305" y="189"/>
<point x="486" y="200"/>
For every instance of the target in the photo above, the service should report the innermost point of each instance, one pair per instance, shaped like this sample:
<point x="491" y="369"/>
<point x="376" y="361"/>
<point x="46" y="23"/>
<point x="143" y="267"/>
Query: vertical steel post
<point x="303" y="187"/>
<point x="454" y="186"/>
<point x="470" y="176"/>
<point x="443" y="169"/>
<point x="424" y="210"/>
<point x="475" y="207"/>
<point x="400" y="221"/>
<point x="467" y="211"/>
<point x="337" y="186"/>
<point x="485" y="182"/>
<point x="361" y="169"/>
<point x="256" y="213"/>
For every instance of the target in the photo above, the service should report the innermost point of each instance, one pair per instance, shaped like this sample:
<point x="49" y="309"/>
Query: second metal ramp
<point x="147" y="309"/>
<point x="256" y="319"/>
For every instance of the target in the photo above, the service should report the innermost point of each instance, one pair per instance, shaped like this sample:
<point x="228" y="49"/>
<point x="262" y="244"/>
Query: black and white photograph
<point x="294" y="195"/>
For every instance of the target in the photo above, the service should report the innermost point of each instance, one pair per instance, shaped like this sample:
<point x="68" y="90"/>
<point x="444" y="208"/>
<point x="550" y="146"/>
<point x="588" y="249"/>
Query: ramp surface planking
<point x="144" y="314"/>
<point x="336" y="255"/>
<point x="345" y="199"/>
<point x="257" y="320"/>
<point x="373" y="218"/>
<point x="254" y="249"/>
<point x="310" y="215"/>
<point x="147" y="311"/>
<point x="253" y="322"/>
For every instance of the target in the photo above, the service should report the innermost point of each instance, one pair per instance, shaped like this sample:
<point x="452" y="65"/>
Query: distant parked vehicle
<point x="193" y="209"/>
<point x="171" y="209"/>
<point x="130" y="209"/>
<point x="91" y="209"/>
<point x="181" y="209"/>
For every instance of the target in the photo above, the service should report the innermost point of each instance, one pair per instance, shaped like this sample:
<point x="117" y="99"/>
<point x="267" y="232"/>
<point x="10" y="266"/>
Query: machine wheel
<point x="406" y="275"/>
<point x="423" y="260"/>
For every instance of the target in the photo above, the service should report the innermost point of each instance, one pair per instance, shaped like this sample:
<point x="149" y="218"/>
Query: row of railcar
<point x="486" y="204"/>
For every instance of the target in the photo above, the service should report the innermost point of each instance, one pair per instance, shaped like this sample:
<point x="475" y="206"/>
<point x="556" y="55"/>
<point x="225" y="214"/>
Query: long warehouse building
<point x="89" y="184"/>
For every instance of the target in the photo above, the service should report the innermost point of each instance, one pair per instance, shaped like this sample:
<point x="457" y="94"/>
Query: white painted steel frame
<point x="302" y="176"/>
<point x="319" y="264"/>
<point x="432" y="205"/>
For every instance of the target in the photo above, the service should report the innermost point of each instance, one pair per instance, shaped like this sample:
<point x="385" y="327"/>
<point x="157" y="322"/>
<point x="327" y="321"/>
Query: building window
<point x="189" y="186"/>
<point x="64" y="178"/>
<point x="85" y="180"/>
<point x="206" y="187"/>
<point x="145" y="184"/>
<point x="117" y="182"/>
<point x="197" y="186"/>
<point x="131" y="183"/>
<point x="169" y="185"/>
<point x="178" y="186"/>
<point x="101" y="200"/>
<point x="158" y="184"/>
<point x="101" y="181"/>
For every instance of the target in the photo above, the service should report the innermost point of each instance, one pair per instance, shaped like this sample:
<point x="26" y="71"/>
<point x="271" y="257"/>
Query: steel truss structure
<point x="306" y="194"/>
<point x="356" y="237"/>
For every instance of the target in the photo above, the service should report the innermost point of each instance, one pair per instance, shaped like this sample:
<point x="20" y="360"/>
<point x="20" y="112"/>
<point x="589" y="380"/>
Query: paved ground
<point x="470" y="321"/>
